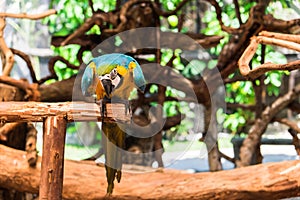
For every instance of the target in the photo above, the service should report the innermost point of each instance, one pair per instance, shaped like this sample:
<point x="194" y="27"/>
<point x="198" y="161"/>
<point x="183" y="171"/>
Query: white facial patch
<point x="116" y="81"/>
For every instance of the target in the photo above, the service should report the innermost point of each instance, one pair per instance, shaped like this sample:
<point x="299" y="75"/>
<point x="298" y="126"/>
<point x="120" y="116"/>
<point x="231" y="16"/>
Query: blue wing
<point x="86" y="81"/>
<point x="139" y="78"/>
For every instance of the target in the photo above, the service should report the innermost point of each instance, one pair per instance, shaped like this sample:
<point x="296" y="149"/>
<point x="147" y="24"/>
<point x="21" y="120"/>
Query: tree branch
<point x="293" y="130"/>
<point x="296" y="141"/>
<point x="237" y="11"/>
<point x="289" y="123"/>
<point x="242" y="106"/>
<point x="8" y="62"/>
<point x="29" y="16"/>
<point x="248" y="54"/>
<point x="218" y="9"/>
<point x="173" y="12"/>
<point x="26" y="58"/>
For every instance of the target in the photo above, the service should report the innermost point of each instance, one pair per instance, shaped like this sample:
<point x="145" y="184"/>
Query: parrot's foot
<point x="103" y="109"/>
<point x="108" y="196"/>
<point x="110" y="188"/>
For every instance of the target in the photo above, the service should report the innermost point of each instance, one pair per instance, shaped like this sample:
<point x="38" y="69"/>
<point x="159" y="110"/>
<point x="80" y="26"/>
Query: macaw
<point x="112" y="76"/>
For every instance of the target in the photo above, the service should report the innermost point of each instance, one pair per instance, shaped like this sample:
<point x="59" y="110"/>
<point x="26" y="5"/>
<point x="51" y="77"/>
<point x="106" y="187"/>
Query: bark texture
<point x="85" y="180"/>
<point x="251" y="143"/>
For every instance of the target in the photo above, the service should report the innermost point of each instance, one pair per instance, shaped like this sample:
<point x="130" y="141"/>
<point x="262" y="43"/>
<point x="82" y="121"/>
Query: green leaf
<point x="173" y="20"/>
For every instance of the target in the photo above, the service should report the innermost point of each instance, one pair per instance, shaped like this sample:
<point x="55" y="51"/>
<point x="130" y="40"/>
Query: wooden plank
<point x="72" y="111"/>
<point x="51" y="182"/>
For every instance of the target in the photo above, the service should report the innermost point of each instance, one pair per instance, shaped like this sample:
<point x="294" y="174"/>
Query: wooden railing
<point x="55" y="117"/>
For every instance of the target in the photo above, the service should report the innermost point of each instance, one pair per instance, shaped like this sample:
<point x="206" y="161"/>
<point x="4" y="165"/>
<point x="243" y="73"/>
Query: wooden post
<point x="51" y="182"/>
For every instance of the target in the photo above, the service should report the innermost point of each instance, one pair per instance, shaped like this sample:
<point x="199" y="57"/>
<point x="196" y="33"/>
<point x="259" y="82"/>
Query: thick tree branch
<point x="278" y="25"/>
<point x="252" y="141"/>
<point x="31" y="90"/>
<point x="268" y="181"/>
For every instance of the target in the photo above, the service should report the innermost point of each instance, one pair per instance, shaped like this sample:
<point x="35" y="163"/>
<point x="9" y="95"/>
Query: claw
<point x="108" y="195"/>
<point x="103" y="109"/>
<point x="110" y="188"/>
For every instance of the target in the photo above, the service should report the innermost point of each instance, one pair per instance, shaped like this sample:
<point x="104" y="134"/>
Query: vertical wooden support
<point x="51" y="182"/>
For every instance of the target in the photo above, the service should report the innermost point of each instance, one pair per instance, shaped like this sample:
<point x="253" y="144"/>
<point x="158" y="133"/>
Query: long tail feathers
<point x="113" y="143"/>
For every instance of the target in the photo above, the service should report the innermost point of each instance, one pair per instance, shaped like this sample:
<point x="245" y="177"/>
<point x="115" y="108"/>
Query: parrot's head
<point x="105" y="72"/>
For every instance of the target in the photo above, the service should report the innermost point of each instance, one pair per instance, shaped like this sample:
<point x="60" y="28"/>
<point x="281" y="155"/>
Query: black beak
<point x="108" y="86"/>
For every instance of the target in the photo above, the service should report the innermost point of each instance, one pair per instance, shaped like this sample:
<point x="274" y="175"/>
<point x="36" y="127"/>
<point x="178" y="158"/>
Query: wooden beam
<point x="72" y="111"/>
<point x="54" y="133"/>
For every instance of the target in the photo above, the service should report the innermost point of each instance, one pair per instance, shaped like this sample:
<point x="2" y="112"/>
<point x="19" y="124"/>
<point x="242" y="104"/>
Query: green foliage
<point x="170" y="4"/>
<point x="70" y="16"/>
<point x="74" y="13"/>
<point x="68" y="53"/>
<point x="235" y="121"/>
<point x="243" y="92"/>
<point x="240" y="92"/>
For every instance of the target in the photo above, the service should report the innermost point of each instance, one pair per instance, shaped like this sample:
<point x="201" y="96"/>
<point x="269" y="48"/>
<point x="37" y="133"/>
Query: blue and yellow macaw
<point x="112" y="76"/>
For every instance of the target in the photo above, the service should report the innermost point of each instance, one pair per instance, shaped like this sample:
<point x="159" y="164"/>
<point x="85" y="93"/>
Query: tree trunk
<point x="85" y="180"/>
<point x="211" y="138"/>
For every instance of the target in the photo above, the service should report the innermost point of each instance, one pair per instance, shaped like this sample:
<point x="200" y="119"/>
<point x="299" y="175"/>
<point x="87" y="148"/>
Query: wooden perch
<point x="85" y="180"/>
<point x="71" y="111"/>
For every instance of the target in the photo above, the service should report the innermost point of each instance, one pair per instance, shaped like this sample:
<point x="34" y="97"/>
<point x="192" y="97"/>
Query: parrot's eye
<point x="113" y="73"/>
